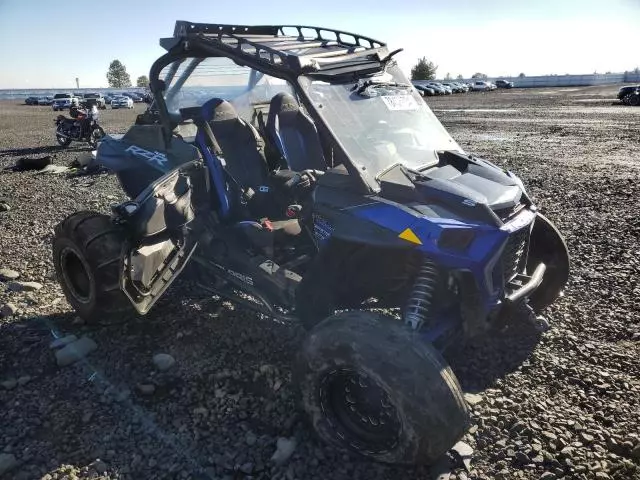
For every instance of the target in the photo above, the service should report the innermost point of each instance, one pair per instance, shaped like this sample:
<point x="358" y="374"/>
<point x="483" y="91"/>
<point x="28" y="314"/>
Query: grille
<point x="515" y="253"/>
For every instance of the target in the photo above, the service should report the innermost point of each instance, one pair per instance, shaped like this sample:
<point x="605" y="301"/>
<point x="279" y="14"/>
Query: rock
<point x="284" y="449"/>
<point x="24" y="286"/>
<point x="250" y="438"/>
<point x="538" y="460"/>
<point x="163" y="361"/>
<point x="146" y="388"/>
<point x="473" y="399"/>
<point x="7" y="462"/>
<point x="635" y="453"/>
<point x="8" y="310"/>
<point x="465" y="452"/>
<point x="62" y="341"/>
<point x="8" y="274"/>
<point x="503" y="475"/>
<point x="9" y="383"/>
<point x="549" y="435"/>
<point x="86" y="418"/>
<point x="247" y="468"/>
<point x="602" y="475"/>
<point x="522" y="458"/>
<point x="585" y="437"/>
<point x="23" y="380"/>
<point x="75" y="351"/>
<point x="548" y="476"/>
<point x="99" y="466"/>
<point x="4" y="207"/>
<point x="200" y="412"/>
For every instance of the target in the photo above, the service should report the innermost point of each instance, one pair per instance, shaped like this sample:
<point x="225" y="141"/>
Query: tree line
<point x="425" y="69"/>
<point x="118" y="77"/>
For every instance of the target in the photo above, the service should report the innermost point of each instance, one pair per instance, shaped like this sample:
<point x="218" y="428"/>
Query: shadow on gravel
<point x="478" y="365"/>
<point x="49" y="149"/>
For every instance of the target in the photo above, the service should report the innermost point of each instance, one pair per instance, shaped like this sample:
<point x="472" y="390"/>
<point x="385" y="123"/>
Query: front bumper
<point x="525" y="285"/>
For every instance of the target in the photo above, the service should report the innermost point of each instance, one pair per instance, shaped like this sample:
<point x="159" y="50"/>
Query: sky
<point x="48" y="43"/>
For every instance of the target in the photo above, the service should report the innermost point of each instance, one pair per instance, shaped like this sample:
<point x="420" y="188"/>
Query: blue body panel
<point x="477" y="258"/>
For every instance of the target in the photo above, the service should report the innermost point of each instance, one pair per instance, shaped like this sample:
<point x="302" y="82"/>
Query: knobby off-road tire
<point x="86" y="256"/>
<point x="371" y="386"/>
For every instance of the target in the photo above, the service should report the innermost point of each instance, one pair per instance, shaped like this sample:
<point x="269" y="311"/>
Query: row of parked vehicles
<point x="64" y="101"/>
<point x="429" y="88"/>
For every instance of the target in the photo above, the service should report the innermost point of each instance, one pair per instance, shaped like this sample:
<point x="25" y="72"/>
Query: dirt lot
<point x="566" y="407"/>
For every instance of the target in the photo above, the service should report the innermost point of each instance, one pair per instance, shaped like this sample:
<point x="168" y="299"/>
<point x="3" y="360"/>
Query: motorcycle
<point x="82" y="127"/>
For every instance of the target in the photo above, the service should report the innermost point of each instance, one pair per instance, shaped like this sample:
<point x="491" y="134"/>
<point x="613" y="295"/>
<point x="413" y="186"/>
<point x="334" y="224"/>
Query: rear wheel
<point x="634" y="99"/>
<point x="371" y="386"/>
<point x="96" y="135"/>
<point x="86" y="256"/>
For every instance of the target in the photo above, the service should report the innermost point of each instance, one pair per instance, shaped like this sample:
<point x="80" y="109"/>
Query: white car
<point x="481" y="86"/>
<point x="121" y="102"/>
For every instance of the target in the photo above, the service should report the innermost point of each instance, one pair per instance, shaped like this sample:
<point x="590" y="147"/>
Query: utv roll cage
<point x="281" y="51"/>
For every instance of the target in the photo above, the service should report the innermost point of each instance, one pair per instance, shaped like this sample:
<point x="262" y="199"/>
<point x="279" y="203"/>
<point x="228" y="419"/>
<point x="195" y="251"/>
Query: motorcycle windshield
<point x="380" y="121"/>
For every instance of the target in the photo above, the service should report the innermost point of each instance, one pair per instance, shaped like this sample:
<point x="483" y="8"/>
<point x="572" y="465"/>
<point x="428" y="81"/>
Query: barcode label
<point x="400" y="102"/>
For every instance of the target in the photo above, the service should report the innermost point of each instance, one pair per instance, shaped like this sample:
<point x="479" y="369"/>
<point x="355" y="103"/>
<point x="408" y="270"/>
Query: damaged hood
<point x="459" y="187"/>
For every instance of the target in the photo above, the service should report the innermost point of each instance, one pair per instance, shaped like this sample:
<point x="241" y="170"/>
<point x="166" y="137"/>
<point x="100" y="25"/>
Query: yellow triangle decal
<point x="409" y="236"/>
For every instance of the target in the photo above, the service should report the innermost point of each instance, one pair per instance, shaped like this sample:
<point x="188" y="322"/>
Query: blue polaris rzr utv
<point x="297" y="172"/>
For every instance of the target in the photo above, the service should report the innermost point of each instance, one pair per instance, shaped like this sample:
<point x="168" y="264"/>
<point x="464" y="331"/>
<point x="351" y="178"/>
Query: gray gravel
<point x="565" y="405"/>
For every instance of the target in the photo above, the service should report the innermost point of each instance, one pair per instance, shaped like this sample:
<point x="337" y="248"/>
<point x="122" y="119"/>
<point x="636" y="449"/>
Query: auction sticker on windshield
<point x="400" y="102"/>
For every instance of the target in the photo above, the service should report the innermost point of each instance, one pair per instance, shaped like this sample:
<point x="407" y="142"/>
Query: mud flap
<point x="164" y="222"/>
<point x="547" y="246"/>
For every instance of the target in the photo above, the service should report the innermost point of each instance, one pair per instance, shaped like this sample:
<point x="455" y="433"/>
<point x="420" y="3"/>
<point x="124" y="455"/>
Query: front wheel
<point x="86" y="256"/>
<point x="63" y="140"/>
<point x="634" y="99"/>
<point x="371" y="386"/>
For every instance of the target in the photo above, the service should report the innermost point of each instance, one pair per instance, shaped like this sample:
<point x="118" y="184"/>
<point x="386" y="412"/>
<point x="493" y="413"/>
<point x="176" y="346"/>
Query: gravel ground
<point x="565" y="405"/>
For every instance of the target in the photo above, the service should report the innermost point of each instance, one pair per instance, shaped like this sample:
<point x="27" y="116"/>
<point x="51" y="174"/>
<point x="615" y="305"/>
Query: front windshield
<point x="382" y="124"/>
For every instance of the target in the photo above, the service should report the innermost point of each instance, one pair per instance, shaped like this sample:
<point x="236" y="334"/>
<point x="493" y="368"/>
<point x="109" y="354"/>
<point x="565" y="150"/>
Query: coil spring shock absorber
<point x="418" y="306"/>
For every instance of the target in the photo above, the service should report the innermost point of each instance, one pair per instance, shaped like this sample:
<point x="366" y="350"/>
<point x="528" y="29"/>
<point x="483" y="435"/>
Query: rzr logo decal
<point x="152" y="157"/>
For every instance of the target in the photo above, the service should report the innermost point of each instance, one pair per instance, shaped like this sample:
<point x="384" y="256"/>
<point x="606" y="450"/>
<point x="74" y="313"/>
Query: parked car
<point x="45" y="101"/>
<point x="121" y="102"/>
<point x="425" y="90"/>
<point x="504" y="84"/>
<point x="481" y="86"/>
<point x="629" y="94"/>
<point x="438" y="87"/>
<point x="94" y="99"/>
<point x="463" y="86"/>
<point x="63" y="101"/>
<point x="454" y="88"/>
<point x="31" y="101"/>
<point x="134" y="96"/>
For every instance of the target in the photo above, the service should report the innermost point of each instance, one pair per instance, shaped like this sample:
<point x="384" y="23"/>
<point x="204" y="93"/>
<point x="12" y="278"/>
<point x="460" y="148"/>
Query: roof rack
<point x="296" y="47"/>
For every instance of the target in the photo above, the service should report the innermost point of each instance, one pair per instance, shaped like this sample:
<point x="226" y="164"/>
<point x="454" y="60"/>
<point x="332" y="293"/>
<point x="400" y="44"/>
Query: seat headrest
<point x="218" y="110"/>
<point x="284" y="102"/>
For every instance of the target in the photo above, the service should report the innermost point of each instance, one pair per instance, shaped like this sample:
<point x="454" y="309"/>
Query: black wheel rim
<point x="360" y="411"/>
<point x="75" y="275"/>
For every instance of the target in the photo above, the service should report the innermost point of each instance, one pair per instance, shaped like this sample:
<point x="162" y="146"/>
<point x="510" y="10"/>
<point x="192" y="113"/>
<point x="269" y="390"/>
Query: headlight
<point x="456" y="239"/>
